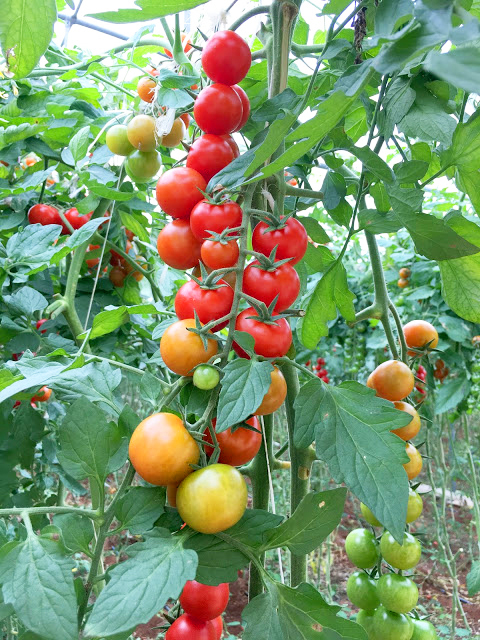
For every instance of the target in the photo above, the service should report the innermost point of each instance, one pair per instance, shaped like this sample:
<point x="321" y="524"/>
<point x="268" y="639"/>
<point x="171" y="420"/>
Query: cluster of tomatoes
<point x="45" y="214"/>
<point x="404" y="274"/>
<point x="319" y="369"/>
<point x="441" y="370"/>
<point x="203" y="606"/>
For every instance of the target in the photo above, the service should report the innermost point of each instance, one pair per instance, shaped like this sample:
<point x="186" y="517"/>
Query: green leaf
<point x="244" y="385"/>
<point x="398" y="101"/>
<point x="318" y="258"/>
<point x="315" y="230"/>
<point x="335" y="7"/>
<point x="334" y="189"/>
<point x="27" y="431"/>
<point x="91" y="446"/>
<point x="26" y="301"/>
<point x="377" y="222"/>
<point x="352" y="431"/>
<point x="331" y="292"/>
<point x="460" y="67"/>
<point x="33" y="245"/>
<point x="147" y="10"/>
<point x="174" y="98"/>
<point x="373" y="163"/>
<point x="380" y="197"/>
<point x="218" y="560"/>
<point x="155" y="571"/>
<point x="16" y="133"/>
<point x="37" y="580"/>
<point x="465" y="150"/>
<point x="95" y="382"/>
<point x="473" y="579"/>
<point x="34" y="378"/>
<point x="26" y="29"/>
<point x="410" y="171"/>
<point x="300" y="33"/>
<point x="427" y="120"/>
<point x="451" y="393"/>
<point x="283" y="613"/>
<point x="79" y="144"/>
<point x="469" y="182"/>
<point x="112" y="318"/>
<point x="317" y="515"/>
<point x="77" y="531"/>
<point x="139" y="508"/>
<point x="391" y="14"/>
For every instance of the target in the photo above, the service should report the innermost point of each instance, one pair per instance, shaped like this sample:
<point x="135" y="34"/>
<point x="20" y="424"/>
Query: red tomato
<point x="39" y="324"/>
<point x="76" y="219"/>
<point x="226" y="58"/>
<point x="209" y="304"/>
<point x="186" y="119"/>
<point x="116" y="260"/>
<point x="178" y="191"/>
<point x="208" y="155"/>
<point x="203" y="601"/>
<point x="245" y="104"/>
<point x="207" y="217"/>
<point x="92" y="262"/>
<point x="218" y="109"/>
<point x="265" y="286"/>
<point x="42" y="395"/>
<point x="218" y="624"/>
<point x="290" y="239"/>
<point x="188" y="628"/>
<point x="187" y="46"/>
<point x="271" y="340"/>
<point x="233" y="145"/>
<point x="177" y="246"/>
<point x="237" y="447"/>
<point x="43" y="214"/>
<point x="219" y="255"/>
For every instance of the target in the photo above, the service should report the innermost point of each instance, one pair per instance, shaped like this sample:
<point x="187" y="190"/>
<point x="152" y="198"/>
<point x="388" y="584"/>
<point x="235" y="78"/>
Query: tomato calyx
<point x="272" y="221"/>
<point x="268" y="263"/>
<point x="211" y="281"/>
<point x="204" y="331"/>
<point x="225" y="236"/>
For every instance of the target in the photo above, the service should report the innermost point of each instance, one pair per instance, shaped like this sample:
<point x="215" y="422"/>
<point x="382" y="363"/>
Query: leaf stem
<point x="89" y="513"/>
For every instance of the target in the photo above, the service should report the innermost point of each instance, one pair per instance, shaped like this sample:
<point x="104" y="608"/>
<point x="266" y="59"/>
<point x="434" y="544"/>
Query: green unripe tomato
<point x="141" y="166"/>
<point x="361" y="328"/>
<point x="415" y="506"/>
<point x="117" y="141"/>
<point x="362" y="591"/>
<point x="397" y="593"/>
<point x="361" y="548"/>
<point x="400" y="301"/>
<point x="369" y="517"/>
<point x="388" y="625"/>
<point x="476" y="367"/>
<point x="206" y="377"/>
<point x="405" y="556"/>
<point x="423" y="630"/>
<point x="365" y="620"/>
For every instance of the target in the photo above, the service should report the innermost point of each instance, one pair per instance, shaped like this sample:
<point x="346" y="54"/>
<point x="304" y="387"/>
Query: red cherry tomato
<point x="226" y="58"/>
<point x="291" y="240"/>
<point x="188" y="628"/>
<point x="245" y="104"/>
<point x="178" y="191"/>
<point x="218" y="109"/>
<point x="209" y="154"/>
<point x="233" y="145"/>
<point x="265" y="286"/>
<point x="218" y="624"/>
<point x="43" y="214"/>
<point x="209" y="304"/>
<point x="76" y="219"/>
<point x="40" y="323"/>
<point x="218" y="255"/>
<point x="203" y="601"/>
<point x="271" y="340"/>
<point x="177" y="246"/>
<point x="237" y="447"/>
<point x="207" y="217"/>
<point x="92" y="262"/>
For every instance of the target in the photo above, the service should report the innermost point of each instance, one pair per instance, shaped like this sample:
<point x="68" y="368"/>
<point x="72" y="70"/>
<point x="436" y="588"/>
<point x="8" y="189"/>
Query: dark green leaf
<point x="398" y="100"/>
<point x="139" y="508"/>
<point x="465" y="150"/>
<point x="314" y="229"/>
<point x="373" y="163"/>
<point x="376" y="222"/>
<point x="334" y="190"/>
<point x="95" y="382"/>
<point x="451" y="393"/>
<point x="408" y="172"/>
<point x="218" y="560"/>
<point x="77" y="531"/>
<point x="473" y="579"/>
<point x="391" y="14"/>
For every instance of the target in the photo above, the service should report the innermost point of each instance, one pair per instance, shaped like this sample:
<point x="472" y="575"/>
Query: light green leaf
<point x="391" y="14"/>
<point x="398" y="101"/>
<point x="473" y="579"/>
<point x="79" y="144"/>
<point x="15" y="133"/>
<point x="96" y="382"/>
<point x="465" y="150"/>
<point x="111" y="318"/>
<point x="461" y="286"/>
<point x="26" y="301"/>
<point x="451" y="393"/>
<point x="147" y="10"/>
<point x="373" y="163"/>
<point x="460" y="67"/>
<point x="26" y="29"/>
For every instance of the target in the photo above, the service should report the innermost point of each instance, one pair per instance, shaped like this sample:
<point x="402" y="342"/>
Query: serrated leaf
<point x="473" y="579"/>
<point x="155" y="571"/>
<point x="33" y="245"/>
<point x="244" y="385"/>
<point x="315" y="230"/>
<point x="37" y="580"/>
<point x="95" y="382"/>
<point x="218" y="560"/>
<point x="111" y="319"/>
<point x="77" y="531"/>
<point x="317" y="515"/>
<point x="26" y="301"/>
<point x="352" y="431"/>
<point x="91" y="446"/>
<point x="139" y="508"/>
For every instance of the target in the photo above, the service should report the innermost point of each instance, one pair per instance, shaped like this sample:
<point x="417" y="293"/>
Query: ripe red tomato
<point x="188" y="628"/>
<point x="178" y="191"/>
<point x="265" y="285"/>
<point x="92" y="262"/>
<point x="40" y="323"/>
<point x="245" y="104"/>
<point x="218" y="624"/>
<point x="146" y="89"/>
<point x="212" y="499"/>
<point x="207" y="217"/>
<point x="177" y="246"/>
<point x="276" y="394"/>
<point x="420" y="334"/>
<point x="209" y="304"/>
<point x="162" y="450"/>
<point x="233" y="145"/>
<point x="271" y="340"/>
<point x="183" y="350"/>
<point x="43" y="214"/>
<point x="77" y="220"/>
<point x="291" y="240"/>
<point x="209" y="154"/>
<point x="117" y="276"/>
<point x="226" y="58"/>
<point x="203" y="601"/>
<point x="219" y="255"/>
<point x="218" y="109"/>
<point x="42" y="395"/>
<point x="392" y="380"/>
<point x="237" y="447"/>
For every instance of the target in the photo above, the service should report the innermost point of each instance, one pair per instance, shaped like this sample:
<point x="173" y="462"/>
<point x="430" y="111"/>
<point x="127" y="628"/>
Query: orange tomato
<point x="146" y="89"/>
<point x="276" y="394"/>
<point x="420" y="334"/>
<point x="183" y="350"/>
<point x="414" y="466"/>
<point x="410" y="430"/>
<point x="402" y="283"/>
<point x="392" y="380"/>
<point x="42" y="395"/>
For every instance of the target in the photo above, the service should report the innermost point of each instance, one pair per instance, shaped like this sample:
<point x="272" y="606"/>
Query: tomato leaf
<point x="147" y="10"/>
<point x="139" y="508"/>
<point x="459" y="67"/>
<point x="94" y="382"/>
<point x="461" y="286"/>
<point x="244" y="385"/>
<point x="77" y="531"/>
<point x="352" y="431"/>
<point x="283" y="613"/>
<point x="155" y="571"/>
<point x="473" y="579"/>
<point x="465" y="151"/>
<point x="317" y="515"/>
<point x="218" y="560"/>
<point x="31" y="572"/>
<point x="79" y="144"/>
<point x="26" y="29"/>
<point x="111" y="319"/>
<point x="451" y="393"/>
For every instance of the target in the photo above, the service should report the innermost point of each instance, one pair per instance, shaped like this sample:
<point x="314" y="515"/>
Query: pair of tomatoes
<point x="45" y="214"/>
